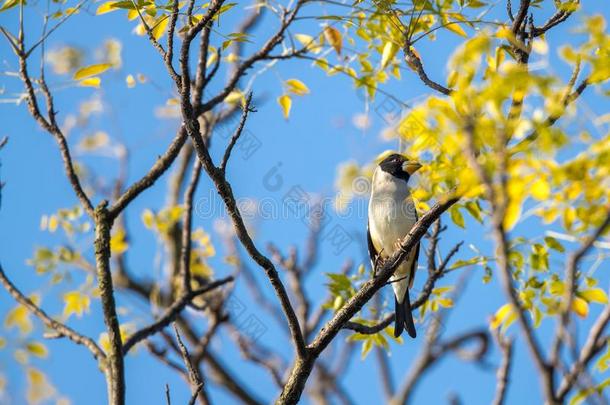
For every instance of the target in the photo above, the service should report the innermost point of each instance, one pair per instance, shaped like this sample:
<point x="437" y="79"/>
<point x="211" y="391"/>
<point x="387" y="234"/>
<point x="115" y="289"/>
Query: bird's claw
<point x="398" y="245"/>
<point x="379" y="261"/>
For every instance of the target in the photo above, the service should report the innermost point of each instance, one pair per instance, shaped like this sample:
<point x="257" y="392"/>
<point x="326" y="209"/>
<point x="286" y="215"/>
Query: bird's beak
<point x="411" y="166"/>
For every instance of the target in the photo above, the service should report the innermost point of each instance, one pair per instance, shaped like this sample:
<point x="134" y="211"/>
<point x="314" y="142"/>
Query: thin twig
<point x="62" y="329"/>
<point x="503" y="373"/>
<point x="421" y="299"/>
<point x="171" y="313"/>
<point x="195" y="380"/>
<point x="240" y="127"/>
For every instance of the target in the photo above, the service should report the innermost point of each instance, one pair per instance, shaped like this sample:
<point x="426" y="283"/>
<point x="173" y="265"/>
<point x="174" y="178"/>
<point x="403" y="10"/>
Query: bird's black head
<point x="399" y="166"/>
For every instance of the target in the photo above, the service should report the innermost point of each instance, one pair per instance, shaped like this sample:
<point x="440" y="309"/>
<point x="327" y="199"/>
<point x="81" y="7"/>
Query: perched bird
<point x="390" y="218"/>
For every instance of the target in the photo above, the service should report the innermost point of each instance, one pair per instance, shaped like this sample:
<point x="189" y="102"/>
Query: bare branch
<point x="187" y="219"/>
<point x="171" y="313"/>
<point x="551" y="120"/>
<point x="503" y="373"/>
<point x="434" y="352"/>
<point x="160" y="167"/>
<point x="166" y="55"/>
<point x="240" y="127"/>
<point x="421" y="299"/>
<point x="594" y="343"/>
<point x="115" y="371"/>
<point x="520" y="17"/>
<point x="196" y="383"/>
<point x="385" y="373"/>
<point x="560" y="16"/>
<point x="52" y="128"/>
<point x="415" y="62"/>
<point x="261" y="54"/>
<point x="62" y="329"/>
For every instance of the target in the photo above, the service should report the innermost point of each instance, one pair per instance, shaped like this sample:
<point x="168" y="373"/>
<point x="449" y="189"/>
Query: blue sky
<point x="305" y="149"/>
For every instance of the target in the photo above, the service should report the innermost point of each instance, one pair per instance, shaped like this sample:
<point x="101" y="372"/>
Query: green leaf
<point x="474" y="209"/>
<point x="37" y="349"/>
<point x="554" y="244"/>
<point x="366" y="348"/>
<point x="456" y="216"/>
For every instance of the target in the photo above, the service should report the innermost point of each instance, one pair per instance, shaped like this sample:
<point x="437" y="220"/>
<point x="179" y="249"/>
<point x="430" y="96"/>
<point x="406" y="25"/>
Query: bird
<point x="391" y="215"/>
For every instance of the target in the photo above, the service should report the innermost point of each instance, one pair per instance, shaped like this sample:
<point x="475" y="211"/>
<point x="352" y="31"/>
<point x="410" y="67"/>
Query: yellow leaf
<point x="234" y="97"/>
<point x="90" y="82"/>
<point x="76" y="303"/>
<point x="19" y="317"/>
<point x="37" y="349"/>
<point x="232" y="260"/>
<point x="91" y="70"/>
<point x="308" y="42"/>
<point x="594" y="295"/>
<point x="540" y="46"/>
<point x="540" y="189"/>
<point x="132" y="14"/>
<point x="53" y="222"/>
<point x="297" y="87"/>
<point x="95" y="141"/>
<point x="389" y="51"/>
<point x="118" y="244"/>
<point x="131" y="81"/>
<point x="513" y="213"/>
<point x="456" y="28"/>
<point x="445" y="302"/>
<point x="557" y="287"/>
<point x="211" y="56"/>
<point x="148" y="218"/>
<point x="232" y="58"/>
<point x="9" y="4"/>
<point x="158" y="29"/>
<point x="140" y="29"/>
<point x="569" y="216"/>
<point x="106" y="8"/>
<point x="501" y="315"/>
<point x="104" y="341"/>
<point x="334" y="38"/>
<point x="452" y="78"/>
<point x="580" y="307"/>
<point x="39" y="389"/>
<point x="286" y="103"/>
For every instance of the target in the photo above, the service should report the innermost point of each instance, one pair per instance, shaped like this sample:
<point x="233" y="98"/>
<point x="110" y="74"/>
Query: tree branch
<point x="171" y="313"/>
<point x="503" y="373"/>
<point x="240" y="127"/>
<point x="421" y="299"/>
<point x="62" y="329"/>
<point x="115" y="371"/>
<point x="160" y="167"/>
<point x="195" y="380"/>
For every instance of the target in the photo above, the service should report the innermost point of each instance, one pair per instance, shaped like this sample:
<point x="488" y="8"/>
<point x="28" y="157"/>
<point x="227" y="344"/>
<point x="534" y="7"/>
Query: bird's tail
<point x="403" y="318"/>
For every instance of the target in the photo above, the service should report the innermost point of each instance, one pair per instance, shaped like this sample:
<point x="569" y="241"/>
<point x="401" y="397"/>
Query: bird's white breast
<point x="391" y="216"/>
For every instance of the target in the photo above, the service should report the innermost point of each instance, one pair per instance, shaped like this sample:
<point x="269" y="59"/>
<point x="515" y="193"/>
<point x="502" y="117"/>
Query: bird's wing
<point x="372" y="251"/>
<point x="414" y="265"/>
<point x="415" y="259"/>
